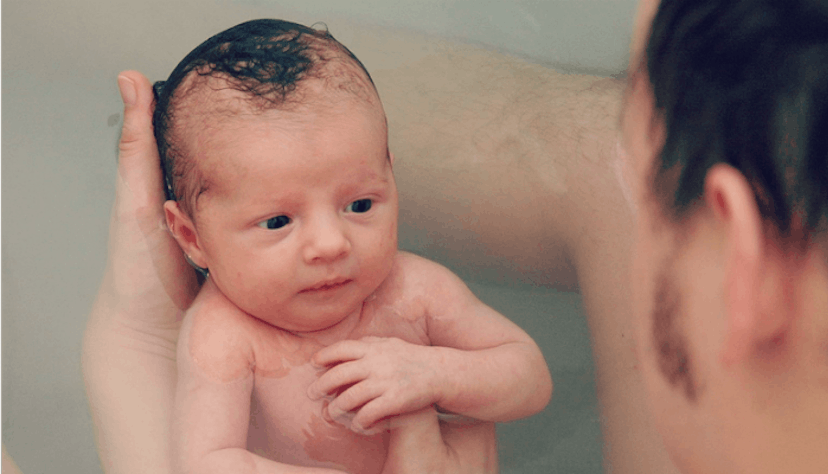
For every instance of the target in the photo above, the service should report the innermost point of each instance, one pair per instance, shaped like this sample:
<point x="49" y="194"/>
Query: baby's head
<point x="252" y="68"/>
<point x="274" y="147"/>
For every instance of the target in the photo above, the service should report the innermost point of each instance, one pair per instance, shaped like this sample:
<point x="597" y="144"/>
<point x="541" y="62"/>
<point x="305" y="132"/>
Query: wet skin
<point x="286" y="425"/>
<point x="298" y="227"/>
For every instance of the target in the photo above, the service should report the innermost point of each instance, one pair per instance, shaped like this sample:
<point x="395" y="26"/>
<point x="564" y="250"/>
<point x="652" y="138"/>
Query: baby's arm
<point x="212" y="406"/>
<point x="490" y="368"/>
<point x="480" y="364"/>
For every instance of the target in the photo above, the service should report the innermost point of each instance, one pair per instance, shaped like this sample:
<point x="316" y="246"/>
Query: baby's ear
<point x="183" y="230"/>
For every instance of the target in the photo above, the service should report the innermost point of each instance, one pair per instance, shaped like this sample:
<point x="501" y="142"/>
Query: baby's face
<point x="299" y="225"/>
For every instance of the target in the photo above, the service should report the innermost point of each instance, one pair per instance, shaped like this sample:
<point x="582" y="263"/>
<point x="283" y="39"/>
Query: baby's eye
<point x="362" y="205"/>
<point x="275" y="222"/>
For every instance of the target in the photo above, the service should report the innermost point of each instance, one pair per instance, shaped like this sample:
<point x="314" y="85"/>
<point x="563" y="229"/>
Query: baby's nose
<point x="327" y="241"/>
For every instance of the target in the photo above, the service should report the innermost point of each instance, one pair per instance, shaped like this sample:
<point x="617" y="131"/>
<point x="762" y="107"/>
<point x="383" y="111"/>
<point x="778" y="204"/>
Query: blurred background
<point x="61" y="116"/>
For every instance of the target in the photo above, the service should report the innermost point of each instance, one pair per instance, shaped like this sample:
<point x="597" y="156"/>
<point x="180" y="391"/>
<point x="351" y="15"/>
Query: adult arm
<point x="9" y="466"/>
<point x="130" y="340"/>
<point x="506" y="171"/>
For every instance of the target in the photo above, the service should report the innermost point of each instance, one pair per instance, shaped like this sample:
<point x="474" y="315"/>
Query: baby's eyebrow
<point x="374" y="181"/>
<point x="367" y="179"/>
<point x="379" y="177"/>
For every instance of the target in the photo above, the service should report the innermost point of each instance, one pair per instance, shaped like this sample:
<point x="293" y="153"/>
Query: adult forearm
<point x="502" y="383"/>
<point x="130" y="382"/>
<point x="9" y="466"/>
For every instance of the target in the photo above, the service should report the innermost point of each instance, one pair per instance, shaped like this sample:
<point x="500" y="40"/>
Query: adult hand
<point x="130" y="340"/>
<point x="146" y="273"/>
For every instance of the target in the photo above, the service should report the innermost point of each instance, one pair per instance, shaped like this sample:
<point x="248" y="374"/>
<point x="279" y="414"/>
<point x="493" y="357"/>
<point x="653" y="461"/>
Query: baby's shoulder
<point x="415" y="275"/>
<point x="216" y="336"/>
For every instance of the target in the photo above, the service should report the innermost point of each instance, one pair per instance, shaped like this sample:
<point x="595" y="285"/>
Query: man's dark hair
<point x="744" y="82"/>
<point x="266" y="60"/>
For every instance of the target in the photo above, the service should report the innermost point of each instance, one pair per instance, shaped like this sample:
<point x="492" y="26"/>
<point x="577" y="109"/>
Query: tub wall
<point x="61" y="118"/>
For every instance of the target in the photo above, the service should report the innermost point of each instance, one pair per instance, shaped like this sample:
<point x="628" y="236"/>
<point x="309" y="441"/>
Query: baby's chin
<point x="332" y="323"/>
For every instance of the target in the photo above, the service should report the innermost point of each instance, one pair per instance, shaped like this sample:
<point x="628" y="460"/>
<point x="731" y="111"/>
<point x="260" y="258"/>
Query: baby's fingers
<point x="374" y="416"/>
<point x="337" y="379"/>
<point x="339" y="352"/>
<point x="342" y="409"/>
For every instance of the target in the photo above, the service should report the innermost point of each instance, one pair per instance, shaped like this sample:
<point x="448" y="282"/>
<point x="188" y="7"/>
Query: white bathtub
<point x="61" y="118"/>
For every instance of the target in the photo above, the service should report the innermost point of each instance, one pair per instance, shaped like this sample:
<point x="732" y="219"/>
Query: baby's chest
<point x="282" y="374"/>
<point x="283" y="369"/>
<point x="288" y="426"/>
<point x="280" y="403"/>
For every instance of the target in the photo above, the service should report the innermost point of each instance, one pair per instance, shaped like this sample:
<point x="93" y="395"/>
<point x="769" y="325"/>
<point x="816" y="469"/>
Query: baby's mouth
<point x="327" y="285"/>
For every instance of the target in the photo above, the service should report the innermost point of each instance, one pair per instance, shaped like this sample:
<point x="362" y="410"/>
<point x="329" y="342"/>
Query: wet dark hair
<point x="265" y="59"/>
<point x="744" y="82"/>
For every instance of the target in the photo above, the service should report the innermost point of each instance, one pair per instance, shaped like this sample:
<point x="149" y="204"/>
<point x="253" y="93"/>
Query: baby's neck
<point x="338" y="332"/>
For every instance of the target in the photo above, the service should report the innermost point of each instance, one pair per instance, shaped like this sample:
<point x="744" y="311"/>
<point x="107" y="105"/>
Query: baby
<point x="314" y="344"/>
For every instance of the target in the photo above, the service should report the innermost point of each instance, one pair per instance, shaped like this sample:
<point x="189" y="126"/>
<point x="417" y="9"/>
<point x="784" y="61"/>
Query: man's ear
<point x="183" y="230"/>
<point x="754" y="314"/>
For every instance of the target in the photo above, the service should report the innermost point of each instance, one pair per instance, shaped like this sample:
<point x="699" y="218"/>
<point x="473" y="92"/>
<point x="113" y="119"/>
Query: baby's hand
<point x="375" y="378"/>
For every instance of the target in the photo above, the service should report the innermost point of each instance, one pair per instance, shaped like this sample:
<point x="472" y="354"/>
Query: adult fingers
<point x="148" y="271"/>
<point x="138" y="162"/>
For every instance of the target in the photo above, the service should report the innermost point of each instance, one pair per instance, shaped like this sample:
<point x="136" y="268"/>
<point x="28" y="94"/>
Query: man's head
<point x="726" y="136"/>
<point x="275" y="146"/>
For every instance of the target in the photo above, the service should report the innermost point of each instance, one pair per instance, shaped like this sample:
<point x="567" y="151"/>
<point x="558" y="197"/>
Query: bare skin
<point x="746" y="309"/>
<point x="514" y="166"/>
<point x="298" y="229"/>
<point x="449" y="185"/>
<point x="130" y="339"/>
<point x="395" y="330"/>
<point x="9" y="466"/>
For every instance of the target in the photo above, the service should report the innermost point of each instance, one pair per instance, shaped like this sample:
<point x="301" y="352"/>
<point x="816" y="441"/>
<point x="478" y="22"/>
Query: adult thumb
<point x="138" y="162"/>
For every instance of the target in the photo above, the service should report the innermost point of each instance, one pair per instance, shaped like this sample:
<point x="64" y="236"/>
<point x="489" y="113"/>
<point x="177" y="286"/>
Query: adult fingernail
<point x="127" y="88"/>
